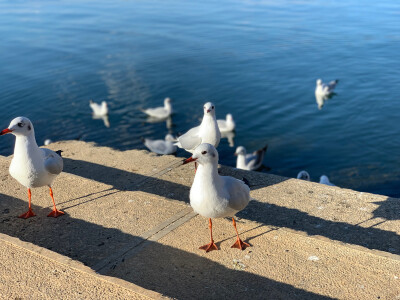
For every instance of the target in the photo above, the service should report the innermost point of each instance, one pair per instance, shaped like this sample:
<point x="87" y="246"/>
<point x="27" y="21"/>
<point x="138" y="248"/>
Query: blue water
<point x="255" y="59"/>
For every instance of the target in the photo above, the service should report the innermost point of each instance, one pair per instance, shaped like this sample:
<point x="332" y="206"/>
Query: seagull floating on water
<point x="227" y="125"/>
<point x="215" y="196"/>
<point x="47" y="142"/>
<point x="161" y="146"/>
<point x="324" y="91"/>
<point x="32" y="166"/>
<point x="252" y="161"/>
<point x="160" y="112"/>
<point x="303" y="175"/>
<point x="207" y="132"/>
<point x="325" y="180"/>
<point x="99" y="110"/>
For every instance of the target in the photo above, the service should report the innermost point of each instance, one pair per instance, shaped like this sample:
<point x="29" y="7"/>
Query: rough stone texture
<point x="127" y="216"/>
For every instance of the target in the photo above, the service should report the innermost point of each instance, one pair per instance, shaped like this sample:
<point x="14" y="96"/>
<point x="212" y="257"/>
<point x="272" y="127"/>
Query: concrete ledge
<point x="127" y="217"/>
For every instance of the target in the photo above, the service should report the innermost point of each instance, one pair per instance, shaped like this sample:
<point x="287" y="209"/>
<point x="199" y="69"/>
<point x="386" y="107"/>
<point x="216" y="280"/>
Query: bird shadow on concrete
<point x="274" y="215"/>
<point x="388" y="209"/>
<point x="265" y="213"/>
<point x="164" y="269"/>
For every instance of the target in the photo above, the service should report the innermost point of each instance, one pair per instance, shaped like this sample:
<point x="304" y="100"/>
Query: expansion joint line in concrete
<point x="145" y="239"/>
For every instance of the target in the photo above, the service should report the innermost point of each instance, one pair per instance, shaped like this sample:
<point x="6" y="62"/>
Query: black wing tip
<point x="246" y="182"/>
<point x="59" y="152"/>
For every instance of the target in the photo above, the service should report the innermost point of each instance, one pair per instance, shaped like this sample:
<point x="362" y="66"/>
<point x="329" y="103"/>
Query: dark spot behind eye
<point x="204" y="152"/>
<point x="29" y="127"/>
<point x="20" y="124"/>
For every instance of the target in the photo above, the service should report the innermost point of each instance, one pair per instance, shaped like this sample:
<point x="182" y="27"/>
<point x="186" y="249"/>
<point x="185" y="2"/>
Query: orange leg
<point x="55" y="213"/>
<point x="211" y="246"/>
<point x="239" y="243"/>
<point x="29" y="213"/>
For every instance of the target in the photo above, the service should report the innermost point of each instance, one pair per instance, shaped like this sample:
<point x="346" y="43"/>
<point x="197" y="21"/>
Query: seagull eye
<point x="212" y="107"/>
<point x="20" y="124"/>
<point x="204" y="152"/>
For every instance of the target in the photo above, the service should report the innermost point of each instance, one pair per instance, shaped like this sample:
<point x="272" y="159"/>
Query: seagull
<point x="160" y="112"/>
<point x="207" y="132"/>
<point x="325" y="180"/>
<point x="99" y="110"/>
<point x="215" y="196"/>
<point x="47" y="142"/>
<point x="249" y="162"/>
<point x="32" y="166"/>
<point x="161" y="146"/>
<point x="303" y="175"/>
<point x="324" y="91"/>
<point x="227" y="125"/>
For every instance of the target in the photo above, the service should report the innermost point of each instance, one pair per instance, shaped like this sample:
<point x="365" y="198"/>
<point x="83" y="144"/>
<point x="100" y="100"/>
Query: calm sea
<point x="258" y="60"/>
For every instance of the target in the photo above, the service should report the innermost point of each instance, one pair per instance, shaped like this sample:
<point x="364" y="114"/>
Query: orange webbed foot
<point x="209" y="247"/>
<point x="55" y="213"/>
<point x="27" y="215"/>
<point x="239" y="244"/>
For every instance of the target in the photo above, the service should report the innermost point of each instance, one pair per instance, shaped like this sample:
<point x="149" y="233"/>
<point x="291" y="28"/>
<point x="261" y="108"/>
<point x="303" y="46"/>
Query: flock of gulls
<point x="211" y="195"/>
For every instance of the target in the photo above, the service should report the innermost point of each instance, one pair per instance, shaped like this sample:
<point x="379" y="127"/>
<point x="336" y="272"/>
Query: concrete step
<point x="127" y="217"/>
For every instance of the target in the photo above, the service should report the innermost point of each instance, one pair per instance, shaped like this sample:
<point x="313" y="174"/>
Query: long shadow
<point x="268" y="214"/>
<point x="167" y="270"/>
<point x="126" y="181"/>
<point x="388" y="209"/>
<point x="274" y="215"/>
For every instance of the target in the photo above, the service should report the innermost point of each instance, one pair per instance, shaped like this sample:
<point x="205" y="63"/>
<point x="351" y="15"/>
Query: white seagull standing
<point x="160" y="112"/>
<point x="227" y="125"/>
<point x="32" y="166"/>
<point x="99" y="110"/>
<point x="303" y="175"/>
<point x="161" y="146"/>
<point x="207" y="132"/>
<point x="325" y="180"/>
<point x="215" y="196"/>
<point x="252" y="161"/>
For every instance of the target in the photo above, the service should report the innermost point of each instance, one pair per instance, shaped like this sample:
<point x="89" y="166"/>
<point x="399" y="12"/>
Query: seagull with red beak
<point x="215" y="196"/>
<point x="207" y="132"/>
<point x="32" y="166"/>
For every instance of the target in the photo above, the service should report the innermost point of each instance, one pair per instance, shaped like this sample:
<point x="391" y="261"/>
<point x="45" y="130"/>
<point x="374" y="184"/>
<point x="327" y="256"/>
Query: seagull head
<point x="209" y="109"/>
<point x="240" y="151"/>
<point x="229" y="117"/>
<point x="167" y="100"/>
<point x="204" y="154"/>
<point x="19" y="126"/>
<point x="303" y="175"/>
<point x="319" y="81"/>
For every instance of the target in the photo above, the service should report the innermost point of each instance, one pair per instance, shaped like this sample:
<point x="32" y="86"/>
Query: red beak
<point x="208" y="110"/>
<point x="190" y="159"/>
<point x="5" y="131"/>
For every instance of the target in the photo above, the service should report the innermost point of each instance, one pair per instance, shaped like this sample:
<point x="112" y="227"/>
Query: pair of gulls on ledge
<point x="211" y="195"/>
<point x="303" y="175"/>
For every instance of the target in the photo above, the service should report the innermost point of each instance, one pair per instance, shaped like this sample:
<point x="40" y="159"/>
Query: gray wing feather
<point x="239" y="193"/>
<point x="190" y="139"/>
<point x="53" y="162"/>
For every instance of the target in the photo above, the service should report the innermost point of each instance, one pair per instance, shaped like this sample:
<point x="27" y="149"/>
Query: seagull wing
<point x="239" y="193"/>
<point x="190" y="140"/>
<point x="53" y="162"/>
<point x="158" y="112"/>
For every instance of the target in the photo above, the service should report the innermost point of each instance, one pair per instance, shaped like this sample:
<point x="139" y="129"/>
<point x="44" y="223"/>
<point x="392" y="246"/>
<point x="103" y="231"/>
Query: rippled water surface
<point x="255" y="59"/>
